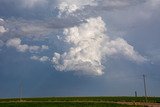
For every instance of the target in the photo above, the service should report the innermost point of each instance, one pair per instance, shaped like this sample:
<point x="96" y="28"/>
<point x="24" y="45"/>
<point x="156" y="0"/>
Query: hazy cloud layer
<point x="32" y="3"/>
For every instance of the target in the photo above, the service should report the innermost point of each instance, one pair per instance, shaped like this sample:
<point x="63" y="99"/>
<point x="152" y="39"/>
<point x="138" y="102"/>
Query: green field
<point x="75" y="101"/>
<point x="66" y="104"/>
<point x="112" y="99"/>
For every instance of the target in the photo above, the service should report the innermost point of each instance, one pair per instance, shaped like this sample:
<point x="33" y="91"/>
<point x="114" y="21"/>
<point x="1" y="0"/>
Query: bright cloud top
<point x="2" y="28"/>
<point x="89" y="44"/>
<point x="70" y="6"/>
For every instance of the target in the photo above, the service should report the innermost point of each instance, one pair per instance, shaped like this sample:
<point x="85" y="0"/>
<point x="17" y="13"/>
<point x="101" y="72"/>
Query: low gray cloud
<point x="16" y="43"/>
<point x="41" y="59"/>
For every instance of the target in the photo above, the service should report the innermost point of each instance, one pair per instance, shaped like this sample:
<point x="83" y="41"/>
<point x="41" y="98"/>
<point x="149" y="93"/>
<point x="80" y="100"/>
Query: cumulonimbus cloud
<point x="89" y="43"/>
<point x="85" y="53"/>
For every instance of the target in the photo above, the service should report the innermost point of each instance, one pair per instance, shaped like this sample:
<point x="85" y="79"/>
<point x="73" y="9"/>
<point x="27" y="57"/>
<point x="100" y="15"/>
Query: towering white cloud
<point x="89" y="44"/>
<point x="85" y="54"/>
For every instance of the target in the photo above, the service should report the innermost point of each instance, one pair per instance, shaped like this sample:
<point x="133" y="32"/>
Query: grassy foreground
<point x="75" y="101"/>
<point x="110" y="99"/>
<point x="66" y="104"/>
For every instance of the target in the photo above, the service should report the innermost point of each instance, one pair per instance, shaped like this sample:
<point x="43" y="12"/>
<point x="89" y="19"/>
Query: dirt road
<point x="141" y="103"/>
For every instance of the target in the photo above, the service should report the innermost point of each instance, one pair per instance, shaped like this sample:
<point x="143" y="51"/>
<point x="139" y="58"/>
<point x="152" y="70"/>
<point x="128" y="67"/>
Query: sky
<point x="79" y="48"/>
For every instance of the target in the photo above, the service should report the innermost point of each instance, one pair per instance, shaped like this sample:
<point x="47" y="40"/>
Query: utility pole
<point x="145" y="89"/>
<point x="135" y="93"/>
<point x="20" y="91"/>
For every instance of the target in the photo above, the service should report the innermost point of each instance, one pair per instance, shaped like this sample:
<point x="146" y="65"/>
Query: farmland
<point x="85" y="99"/>
<point x="77" y="102"/>
<point x="62" y="104"/>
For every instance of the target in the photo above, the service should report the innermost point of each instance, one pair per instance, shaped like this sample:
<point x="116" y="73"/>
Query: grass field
<point x="75" y="101"/>
<point x="112" y="99"/>
<point x="64" y="104"/>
